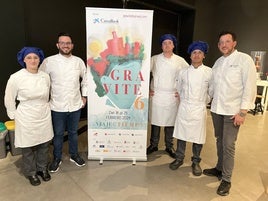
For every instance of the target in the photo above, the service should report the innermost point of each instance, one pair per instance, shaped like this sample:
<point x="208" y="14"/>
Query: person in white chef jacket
<point x="163" y="94"/>
<point x="234" y="93"/>
<point x="68" y="95"/>
<point x="190" y="126"/>
<point x="33" y="125"/>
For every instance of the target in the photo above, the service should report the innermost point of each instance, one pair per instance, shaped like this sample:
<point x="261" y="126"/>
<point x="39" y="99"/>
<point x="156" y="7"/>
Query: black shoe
<point x="54" y="166"/>
<point x="34" y="180"/>
<point x="196" y="169"/>
<point x="175" y="164"/>
<point x="44" y="174"/>
<point x="151" y="149"/>
<point x="213" y="172"/>
<point x="170" y="152"/>
<point x="77" y="160"/>
<point x="224" y="188"/>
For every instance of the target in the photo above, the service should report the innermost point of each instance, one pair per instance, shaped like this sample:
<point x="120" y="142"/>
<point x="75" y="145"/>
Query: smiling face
<point x="32" y="61"/>
<point x="226" y="44"/>
<point x="65" y="45"/>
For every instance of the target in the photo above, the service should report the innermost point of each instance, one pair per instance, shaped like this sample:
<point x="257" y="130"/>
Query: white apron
<point x="33" y="124"/>
<point x="164" y="104"/>
<point x="163" y="108"/>
<point x="190" y="122"/>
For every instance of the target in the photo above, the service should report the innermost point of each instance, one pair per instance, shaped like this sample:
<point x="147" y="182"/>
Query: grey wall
<point x="247" y="18"/>
<point x="31" y="22"/>
<point x="12" y="37"/>
<point x="37" y="23"/>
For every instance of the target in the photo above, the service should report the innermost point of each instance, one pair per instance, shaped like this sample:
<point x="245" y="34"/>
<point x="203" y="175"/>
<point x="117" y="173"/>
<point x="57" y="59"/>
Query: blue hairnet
<point x="168" y="37"/>
<point x="27" y="50"/>
<point x="198" y="45"/>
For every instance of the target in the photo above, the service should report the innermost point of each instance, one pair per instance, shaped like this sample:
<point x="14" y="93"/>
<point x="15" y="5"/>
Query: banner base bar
<point x="133" y="159"/>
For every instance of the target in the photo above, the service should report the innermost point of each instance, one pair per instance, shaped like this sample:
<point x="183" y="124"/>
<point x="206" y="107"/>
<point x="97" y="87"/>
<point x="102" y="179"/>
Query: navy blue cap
<point x="168" y="37"/>
<point x="27" y="50"/>
<point x="198" y="45"/>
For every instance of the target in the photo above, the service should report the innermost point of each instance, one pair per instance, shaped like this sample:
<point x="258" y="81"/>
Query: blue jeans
<point x="65" y="121"/>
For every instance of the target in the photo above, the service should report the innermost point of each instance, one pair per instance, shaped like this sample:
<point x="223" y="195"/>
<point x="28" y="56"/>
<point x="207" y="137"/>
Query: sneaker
<point x="77" y="160"/>
<point x="54" y="166"/>
<point x="224" y="188"/>
<point x="151" y="149"/>
<point x="213" y="172"/>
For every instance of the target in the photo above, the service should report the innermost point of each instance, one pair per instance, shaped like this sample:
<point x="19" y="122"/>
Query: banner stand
<point x="134" y="160"/>
<point x="118" y="66"/>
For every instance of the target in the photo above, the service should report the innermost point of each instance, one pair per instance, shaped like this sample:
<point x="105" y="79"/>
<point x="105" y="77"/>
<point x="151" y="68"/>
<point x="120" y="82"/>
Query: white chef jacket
<point x="193" y="88"/>
<point x="164" y="104"/>
<point x="65" y="74"/>
<point x="233" y="84"/>
<point x="33" y="124"/>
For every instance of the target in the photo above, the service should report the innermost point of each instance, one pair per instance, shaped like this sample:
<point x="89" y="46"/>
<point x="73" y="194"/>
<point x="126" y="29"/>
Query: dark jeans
<point x="65" y="121"/>
<point x="196" y="150"/>
<point x="35" y="158"/>
<point x="226" y="135"/>
<point x="155" y="136"/>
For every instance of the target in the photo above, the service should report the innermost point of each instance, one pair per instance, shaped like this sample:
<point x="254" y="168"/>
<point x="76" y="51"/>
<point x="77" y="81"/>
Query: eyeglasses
<point x="65" y="43"/>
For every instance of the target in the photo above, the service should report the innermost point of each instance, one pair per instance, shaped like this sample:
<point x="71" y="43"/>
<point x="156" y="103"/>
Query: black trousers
<point x="35" y="159"/>
<point x="155" y="136"/>
<point x="196" y="150"/>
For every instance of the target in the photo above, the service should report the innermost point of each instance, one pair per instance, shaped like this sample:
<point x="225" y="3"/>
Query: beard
<point x="65" y="52"/>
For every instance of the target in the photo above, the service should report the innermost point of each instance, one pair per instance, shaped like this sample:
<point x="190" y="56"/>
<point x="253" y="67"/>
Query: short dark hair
<point x="227" y="32"/>
<point x="65" y="34"/>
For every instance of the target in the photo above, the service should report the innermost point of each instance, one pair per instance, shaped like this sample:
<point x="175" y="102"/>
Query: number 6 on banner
<point x="139" y="104"/>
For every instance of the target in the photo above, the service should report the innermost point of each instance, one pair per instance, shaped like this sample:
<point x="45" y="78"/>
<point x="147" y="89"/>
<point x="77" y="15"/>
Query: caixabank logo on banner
<point x="102" y="20"/>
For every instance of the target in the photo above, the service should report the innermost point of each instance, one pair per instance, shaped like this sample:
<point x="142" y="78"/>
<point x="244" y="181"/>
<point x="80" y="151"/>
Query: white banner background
<point x="118" y="62"/>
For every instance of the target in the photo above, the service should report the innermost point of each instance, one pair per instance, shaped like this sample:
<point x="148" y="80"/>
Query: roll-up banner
<point x="118" y="64"/>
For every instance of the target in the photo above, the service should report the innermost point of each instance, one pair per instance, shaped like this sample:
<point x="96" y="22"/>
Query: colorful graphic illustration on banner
<point x="116" y="72"/>
<point x="118" y="60"/>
